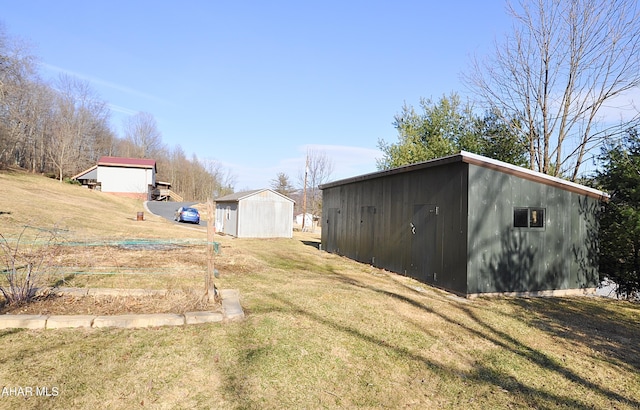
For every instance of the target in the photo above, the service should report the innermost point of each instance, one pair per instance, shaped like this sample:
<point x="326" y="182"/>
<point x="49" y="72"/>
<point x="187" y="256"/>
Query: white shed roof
<point x="239" y="196"/>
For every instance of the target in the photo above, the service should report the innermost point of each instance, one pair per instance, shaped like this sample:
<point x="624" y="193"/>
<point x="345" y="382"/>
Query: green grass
<point x="325" y="332"/>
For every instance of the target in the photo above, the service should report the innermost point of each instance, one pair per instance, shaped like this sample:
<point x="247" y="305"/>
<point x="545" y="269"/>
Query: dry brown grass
<point x="172" y="302"/>
<point x="323" y="331"/>
<point x="86" y="215"/>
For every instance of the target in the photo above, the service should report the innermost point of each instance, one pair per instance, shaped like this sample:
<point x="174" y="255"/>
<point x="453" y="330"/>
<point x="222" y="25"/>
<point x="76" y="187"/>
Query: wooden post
<point x="211" y="229"/>
<point x="304" y="193"/>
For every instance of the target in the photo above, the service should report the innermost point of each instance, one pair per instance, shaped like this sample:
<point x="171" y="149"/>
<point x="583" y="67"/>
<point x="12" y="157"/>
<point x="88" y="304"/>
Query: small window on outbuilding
<point x="536" y="218"/>
<point x="521" y="217"/>
<point x="528" y="217"/>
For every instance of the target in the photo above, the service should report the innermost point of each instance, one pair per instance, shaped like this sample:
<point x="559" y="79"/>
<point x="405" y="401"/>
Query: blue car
<point x="186" y="214"/>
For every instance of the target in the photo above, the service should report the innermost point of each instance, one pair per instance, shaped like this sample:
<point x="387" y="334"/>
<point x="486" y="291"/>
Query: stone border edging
<point x="231" y="310"/>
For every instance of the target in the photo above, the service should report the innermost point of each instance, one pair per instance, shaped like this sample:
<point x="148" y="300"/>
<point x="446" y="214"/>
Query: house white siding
<point x="129" y="180"/>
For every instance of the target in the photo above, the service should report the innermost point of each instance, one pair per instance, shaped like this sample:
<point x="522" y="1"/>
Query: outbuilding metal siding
<point x="449" y="222"/>
<point x="401" y="223"/>
<point x="502" y="258"/>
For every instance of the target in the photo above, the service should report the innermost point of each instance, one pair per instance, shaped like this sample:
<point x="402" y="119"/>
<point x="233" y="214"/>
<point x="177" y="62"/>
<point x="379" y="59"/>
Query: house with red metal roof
<point x="130" y="177"/>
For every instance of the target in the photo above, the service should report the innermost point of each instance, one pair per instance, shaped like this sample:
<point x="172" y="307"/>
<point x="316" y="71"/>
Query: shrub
<point x="26" y="262"/>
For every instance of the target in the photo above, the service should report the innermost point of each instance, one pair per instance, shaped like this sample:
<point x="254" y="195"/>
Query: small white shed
<point x="261" y="213"/>
<point x="307" y="218"/>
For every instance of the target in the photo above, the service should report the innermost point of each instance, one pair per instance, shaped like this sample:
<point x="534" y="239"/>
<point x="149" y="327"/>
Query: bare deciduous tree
<point x="141" y="130"/>
<point x="194" y="179"/>
<point x="79" y="118"/>
<point x="221" y="180"/>
<point x="36" y="117"/>
<point x="16" y="74"/>
<point x="564" y="64"/>
<point x="318" y="170"/>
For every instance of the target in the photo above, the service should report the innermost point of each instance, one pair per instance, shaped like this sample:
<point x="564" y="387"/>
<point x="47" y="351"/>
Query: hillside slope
<point x="44" y="203"/>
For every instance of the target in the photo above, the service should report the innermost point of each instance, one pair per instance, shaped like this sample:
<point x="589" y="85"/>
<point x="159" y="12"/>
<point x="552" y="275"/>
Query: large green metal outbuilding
<point x="468" y="224"/>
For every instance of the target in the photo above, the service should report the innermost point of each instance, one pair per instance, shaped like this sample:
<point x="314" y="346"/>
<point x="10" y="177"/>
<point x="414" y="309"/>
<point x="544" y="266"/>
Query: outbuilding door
<point x="333" y="223"/>
<point x="425" y="263"/>
<point x="367" y="235"/>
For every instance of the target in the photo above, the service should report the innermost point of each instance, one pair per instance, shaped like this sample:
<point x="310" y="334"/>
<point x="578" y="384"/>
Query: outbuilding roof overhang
<point x="481" y="161"/>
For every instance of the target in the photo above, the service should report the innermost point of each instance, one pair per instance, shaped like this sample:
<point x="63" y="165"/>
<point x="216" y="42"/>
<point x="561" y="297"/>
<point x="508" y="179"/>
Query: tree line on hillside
<point x="62" y="128"/>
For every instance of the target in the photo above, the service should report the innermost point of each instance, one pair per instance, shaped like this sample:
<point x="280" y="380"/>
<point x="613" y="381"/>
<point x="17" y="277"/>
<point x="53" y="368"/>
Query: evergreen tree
<point x="620" y="219"/>
<point x="447" y="127"/>
<point x="282" y="184"/>
<point x="498" y="140"/>
<point x="443" y="128"/>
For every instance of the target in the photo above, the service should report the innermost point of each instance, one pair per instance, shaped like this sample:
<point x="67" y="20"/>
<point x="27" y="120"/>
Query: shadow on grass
<point x="603" y="328"/>
<point x="553" y="317"/>
<point x="539" y="358"/>
<point x="250" y="357"/>
<point x="9" y="332"/>
<point x="314" y="244"/>
<point x="533" y="396"/>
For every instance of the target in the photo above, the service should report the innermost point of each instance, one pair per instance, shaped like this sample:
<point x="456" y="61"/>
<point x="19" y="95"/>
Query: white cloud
<point x="121" y="110"/>
<point x="621" y="108"/>
<point x="104" y="83"/>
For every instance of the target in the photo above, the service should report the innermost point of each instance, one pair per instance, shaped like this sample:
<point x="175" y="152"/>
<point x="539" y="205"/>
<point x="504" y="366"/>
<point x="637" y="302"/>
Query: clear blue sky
<point x="253" y="84"/>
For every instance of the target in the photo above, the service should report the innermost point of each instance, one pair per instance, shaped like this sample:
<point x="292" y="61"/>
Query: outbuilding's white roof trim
<point x="479" y="160"/>
<point x="526" y="173"/>
<point x="238" y="196"/>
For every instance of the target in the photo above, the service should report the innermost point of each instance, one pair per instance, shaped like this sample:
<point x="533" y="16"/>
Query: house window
<point x="228" y="213"/>
<point x="528" y="217"/>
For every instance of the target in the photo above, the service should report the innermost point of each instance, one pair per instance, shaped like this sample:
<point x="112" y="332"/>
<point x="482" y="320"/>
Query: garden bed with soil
<point x="52" y="303"/>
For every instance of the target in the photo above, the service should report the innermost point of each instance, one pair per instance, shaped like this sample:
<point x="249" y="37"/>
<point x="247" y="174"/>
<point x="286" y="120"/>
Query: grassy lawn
<point x="321" y="331"/>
